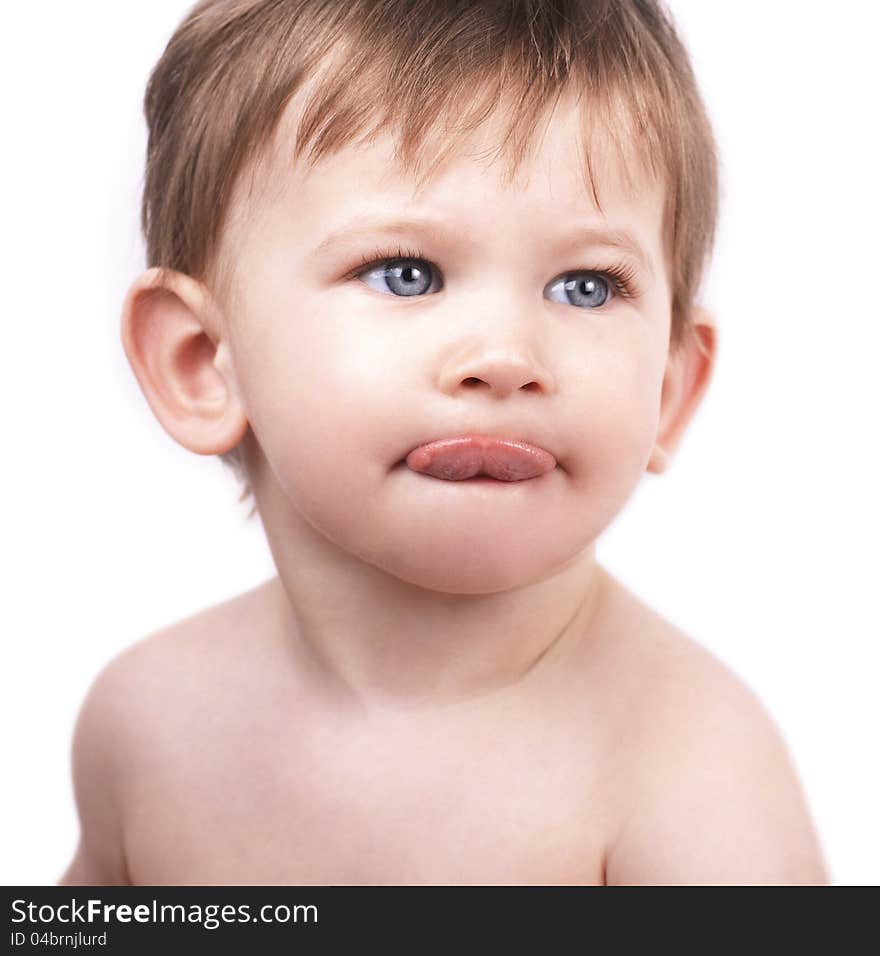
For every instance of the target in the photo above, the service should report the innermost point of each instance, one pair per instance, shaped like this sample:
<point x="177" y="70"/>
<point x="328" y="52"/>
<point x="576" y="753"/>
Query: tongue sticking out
<point x="455" y="459"/>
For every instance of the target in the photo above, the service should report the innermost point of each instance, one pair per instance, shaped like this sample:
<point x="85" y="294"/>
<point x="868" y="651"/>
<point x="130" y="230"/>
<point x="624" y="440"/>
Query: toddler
<point x="425" y="274"/>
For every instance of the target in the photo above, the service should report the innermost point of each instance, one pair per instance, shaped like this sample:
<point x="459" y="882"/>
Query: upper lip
<point x="510" y="436"/>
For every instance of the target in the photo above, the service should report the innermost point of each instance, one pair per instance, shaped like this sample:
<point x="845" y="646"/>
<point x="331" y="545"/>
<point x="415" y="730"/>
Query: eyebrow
<point x="362" y="227"/>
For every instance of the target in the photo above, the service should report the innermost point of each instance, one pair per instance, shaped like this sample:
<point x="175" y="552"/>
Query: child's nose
<point x="502" y="369"/>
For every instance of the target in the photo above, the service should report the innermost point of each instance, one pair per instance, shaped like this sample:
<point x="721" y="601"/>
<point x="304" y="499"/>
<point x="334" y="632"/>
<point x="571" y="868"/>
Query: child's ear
<point x="172" y="336"/>
<point x="687" y="375"/>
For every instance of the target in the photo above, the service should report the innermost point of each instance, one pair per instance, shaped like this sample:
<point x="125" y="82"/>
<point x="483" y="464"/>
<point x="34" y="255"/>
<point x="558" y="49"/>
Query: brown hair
<point x="214" y="100"/>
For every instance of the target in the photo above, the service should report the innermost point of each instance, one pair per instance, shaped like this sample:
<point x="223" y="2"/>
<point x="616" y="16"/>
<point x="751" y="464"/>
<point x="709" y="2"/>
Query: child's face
<point x="340" y="378"/>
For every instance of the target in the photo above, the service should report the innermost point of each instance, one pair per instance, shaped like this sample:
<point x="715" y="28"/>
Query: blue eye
<point x="405" y="273"/>
<point x="583" y="289"/>
<point x="401" y="277"/>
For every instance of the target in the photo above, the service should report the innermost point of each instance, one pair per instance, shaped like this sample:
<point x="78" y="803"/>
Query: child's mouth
<point x="482" y="459"/>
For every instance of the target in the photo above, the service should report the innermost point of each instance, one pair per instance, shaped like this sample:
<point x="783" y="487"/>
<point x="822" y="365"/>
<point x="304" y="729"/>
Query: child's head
<point x="508" y="134"/>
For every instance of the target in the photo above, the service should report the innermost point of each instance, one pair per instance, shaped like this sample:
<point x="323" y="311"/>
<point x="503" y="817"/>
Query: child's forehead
<point x="568" y="161"/>
<point x="573" y="165"/>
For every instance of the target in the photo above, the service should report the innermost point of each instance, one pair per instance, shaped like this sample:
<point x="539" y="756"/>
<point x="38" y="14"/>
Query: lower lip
<point x="486" y="481"/>
<point x="483" y="481"/>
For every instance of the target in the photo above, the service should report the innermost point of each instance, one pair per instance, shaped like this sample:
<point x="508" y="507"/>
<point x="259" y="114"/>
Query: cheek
<point x="618" y="413"/>
<point x="314" y="401"/>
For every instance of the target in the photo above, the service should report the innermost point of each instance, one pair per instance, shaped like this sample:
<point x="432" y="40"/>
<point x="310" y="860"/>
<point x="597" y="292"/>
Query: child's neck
<point x="377" y="642"/>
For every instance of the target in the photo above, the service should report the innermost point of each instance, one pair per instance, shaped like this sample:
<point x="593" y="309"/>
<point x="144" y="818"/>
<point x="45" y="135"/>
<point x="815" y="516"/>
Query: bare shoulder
<point x="715" y="796"/>
<point x="138" y="705"/>
<point x="151" y="681"/>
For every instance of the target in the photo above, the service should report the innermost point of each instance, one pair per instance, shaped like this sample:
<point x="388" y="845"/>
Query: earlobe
<point x="688" y="373"/>
<point x="171" y="336"/>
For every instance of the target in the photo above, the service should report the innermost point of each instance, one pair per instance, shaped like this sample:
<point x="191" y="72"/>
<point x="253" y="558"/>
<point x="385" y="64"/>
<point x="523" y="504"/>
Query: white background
<point x="761" y="541"/>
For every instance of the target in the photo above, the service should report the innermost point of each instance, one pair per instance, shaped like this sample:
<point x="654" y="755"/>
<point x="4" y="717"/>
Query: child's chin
<point x="470" y="537"/>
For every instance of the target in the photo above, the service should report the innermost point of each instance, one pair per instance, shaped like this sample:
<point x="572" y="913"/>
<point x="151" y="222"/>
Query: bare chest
<point x="312" y="805"/>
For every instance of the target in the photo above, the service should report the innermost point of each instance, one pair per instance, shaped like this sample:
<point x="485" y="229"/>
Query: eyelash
<point x="621" y="277"/>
